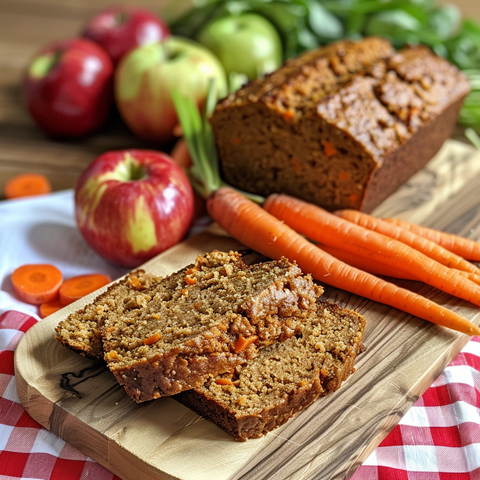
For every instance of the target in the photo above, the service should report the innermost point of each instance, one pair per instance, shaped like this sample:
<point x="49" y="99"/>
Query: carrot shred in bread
<point x="329" y="149"/>
<point x="258" y="229"/>
<point x="243" y="343"/>
<point x="152" y="339"/>
<point x="223" y="381"/>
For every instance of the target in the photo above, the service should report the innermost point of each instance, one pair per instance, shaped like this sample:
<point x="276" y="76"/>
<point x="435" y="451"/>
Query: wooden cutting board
<point x="80" y="401"/>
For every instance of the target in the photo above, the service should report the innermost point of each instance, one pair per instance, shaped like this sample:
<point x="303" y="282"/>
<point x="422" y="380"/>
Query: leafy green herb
<point x="307" y="24"/>
<point x="197" y="132"/>
<point x="472" y="135"/>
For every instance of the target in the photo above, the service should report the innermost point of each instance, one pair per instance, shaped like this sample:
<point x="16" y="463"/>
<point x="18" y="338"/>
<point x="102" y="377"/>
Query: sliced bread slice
<point x="283" y="379"/>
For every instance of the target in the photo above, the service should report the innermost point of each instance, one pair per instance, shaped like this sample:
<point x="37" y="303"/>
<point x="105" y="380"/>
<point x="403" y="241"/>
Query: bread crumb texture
<point x="162" y="336"/>
<point x="283" y="379"/>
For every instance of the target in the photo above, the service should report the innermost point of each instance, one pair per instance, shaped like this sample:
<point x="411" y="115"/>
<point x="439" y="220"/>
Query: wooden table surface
<point x="25" y="26"/>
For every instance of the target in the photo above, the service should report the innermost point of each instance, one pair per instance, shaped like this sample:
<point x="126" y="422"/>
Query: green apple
<point x="246" y="44"/>
<point x="146" y="76"/>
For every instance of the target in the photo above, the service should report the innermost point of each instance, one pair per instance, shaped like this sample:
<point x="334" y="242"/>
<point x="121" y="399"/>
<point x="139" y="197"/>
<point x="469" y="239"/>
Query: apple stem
<point x="137" y="171"/>
<point x="121" y="18"/>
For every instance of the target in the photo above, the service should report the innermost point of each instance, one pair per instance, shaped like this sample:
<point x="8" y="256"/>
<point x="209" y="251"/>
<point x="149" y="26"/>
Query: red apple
<point x="68" y="87"/>
<point x="119" y="29"/>
<point x="130" y="205"/>
<point x="146" y="76"/>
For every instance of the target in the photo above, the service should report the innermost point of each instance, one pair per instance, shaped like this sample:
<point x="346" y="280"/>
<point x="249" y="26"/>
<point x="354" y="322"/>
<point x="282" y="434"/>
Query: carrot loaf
<point x="202" y="321"/>
<point x="80" y="331"/>
<point x="342" y="126"/>
<point x="262" y="394"/>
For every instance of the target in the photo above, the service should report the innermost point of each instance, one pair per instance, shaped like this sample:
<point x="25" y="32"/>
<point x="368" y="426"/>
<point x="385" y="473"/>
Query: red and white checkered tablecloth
<point x="438" y="438"/>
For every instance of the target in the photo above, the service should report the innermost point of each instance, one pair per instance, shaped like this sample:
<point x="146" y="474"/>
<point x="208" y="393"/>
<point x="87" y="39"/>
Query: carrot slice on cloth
<point x="464" y="247"/>
<point x="422" y="244"/>
<point x="321" y="226"/>
<point x="27" y="184"/>
<point x="37" y="283"/>
<point x="77" y="287"/>
<point x="251" y="225"/>
<point x="48" y="308"/>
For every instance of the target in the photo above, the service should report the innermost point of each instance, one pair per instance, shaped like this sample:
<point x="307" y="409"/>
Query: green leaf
<point x="323" y="23"/>
<point x="204" y="174"/>
<point x="445" y="21"/>
<point x="393" y="23"/>
<point x="473" y="137"/>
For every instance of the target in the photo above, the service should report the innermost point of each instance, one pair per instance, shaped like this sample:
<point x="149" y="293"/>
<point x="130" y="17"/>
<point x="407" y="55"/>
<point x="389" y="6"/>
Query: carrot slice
<point x="256" y="228"/>
<point x="464" y="247"/>
<point x="27" y="184"/>
<point x="77" y="287"/>
<point x="37" y="283"/>
<point x="422" y="244"/>
<point x="48" y="308"/>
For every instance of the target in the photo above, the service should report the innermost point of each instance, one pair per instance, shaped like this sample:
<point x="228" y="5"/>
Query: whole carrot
<point x="471" y="276"/>
<point x="321" y="226"/>
<point x="461" y="246"/>
<point x="251" y="225"/>
<point x="422" y="244"/>
<point x="367" y="264"/>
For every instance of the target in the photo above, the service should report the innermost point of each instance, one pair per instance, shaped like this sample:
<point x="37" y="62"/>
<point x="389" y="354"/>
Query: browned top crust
<point x="349" y="84"/>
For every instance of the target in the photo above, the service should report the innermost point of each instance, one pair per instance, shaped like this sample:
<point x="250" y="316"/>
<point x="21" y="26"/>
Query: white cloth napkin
<point x="42" y="229"/>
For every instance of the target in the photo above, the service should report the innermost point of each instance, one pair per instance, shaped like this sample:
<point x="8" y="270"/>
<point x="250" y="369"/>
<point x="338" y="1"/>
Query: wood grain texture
<point x="80" y="401"/>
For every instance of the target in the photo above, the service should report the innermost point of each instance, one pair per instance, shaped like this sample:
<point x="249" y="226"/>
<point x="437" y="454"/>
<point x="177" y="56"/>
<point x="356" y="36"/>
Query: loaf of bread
<point x="342" y="126"/>
<point x="203" y="320"/>
<point x="283" y="379"/>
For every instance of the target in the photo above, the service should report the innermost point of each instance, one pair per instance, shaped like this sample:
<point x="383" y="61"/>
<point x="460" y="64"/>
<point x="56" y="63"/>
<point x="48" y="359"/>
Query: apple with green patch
<point x="131" y="205"/>
<point x="146" y="76"/>
<point x="246" y="44"/>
